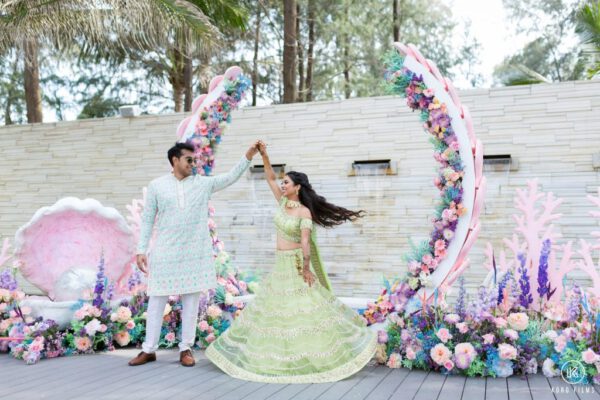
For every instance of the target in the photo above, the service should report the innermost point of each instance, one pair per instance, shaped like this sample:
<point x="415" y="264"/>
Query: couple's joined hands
<point x="257" y="147"/>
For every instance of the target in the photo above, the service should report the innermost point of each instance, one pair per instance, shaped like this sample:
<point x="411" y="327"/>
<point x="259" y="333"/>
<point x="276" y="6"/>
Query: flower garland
<point x="213" y="120"/>
<point x="424" y="258"/>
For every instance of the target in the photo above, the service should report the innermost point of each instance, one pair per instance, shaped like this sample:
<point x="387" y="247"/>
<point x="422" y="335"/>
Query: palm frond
<point x="112" y="23"/>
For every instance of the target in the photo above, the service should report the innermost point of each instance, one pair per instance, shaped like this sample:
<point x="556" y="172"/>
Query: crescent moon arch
<point x="437" y="262"/>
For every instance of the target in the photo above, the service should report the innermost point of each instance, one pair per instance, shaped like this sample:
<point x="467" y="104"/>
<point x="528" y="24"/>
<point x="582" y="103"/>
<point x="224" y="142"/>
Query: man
<point x="181" y="261"/>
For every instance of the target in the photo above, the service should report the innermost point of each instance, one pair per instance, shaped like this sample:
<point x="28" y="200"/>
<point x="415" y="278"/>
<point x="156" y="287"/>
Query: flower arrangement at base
<point x="494" y="335"/>
<point x="91" y="327"/>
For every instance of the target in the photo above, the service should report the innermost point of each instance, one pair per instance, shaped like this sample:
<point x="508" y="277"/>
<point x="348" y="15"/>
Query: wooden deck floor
<point x="107" y="376"/>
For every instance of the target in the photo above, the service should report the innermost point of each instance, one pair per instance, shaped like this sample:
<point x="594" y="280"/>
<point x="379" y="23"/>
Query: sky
<point x="490" y="27"/>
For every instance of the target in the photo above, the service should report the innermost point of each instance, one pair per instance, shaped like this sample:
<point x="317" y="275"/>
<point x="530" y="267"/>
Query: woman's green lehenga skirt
<point x="293" y="333"/>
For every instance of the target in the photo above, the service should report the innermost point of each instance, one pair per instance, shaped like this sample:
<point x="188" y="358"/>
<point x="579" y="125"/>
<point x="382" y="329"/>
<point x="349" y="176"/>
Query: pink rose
<point x="427" y="259"/>
<point x="440" y="244"/>
<point x="410" y="353"/>
<point x="448" y="364"/>
<point x="170" y="337"/>
<point x="462" y="327"/>
<point x="214" y="311"/>
<point x="444" y="335"/>
<point x="122" y="338"/>
<point x="560" y="343"/>
<point x="83" y="343"/>
<point x="518" y="321"/>
<point x="507" y="351"/>
<point x="102" y="328"/>
<point x="462" y="360"/>
<point x="394" y="361"/>
<point x="439" y="354"/>
<point x="465" y="348"/>
<point x="130" y="324"/>
<point x="500" y="323"/>
<point x="210" y="338"/>
<point x="203" y="326"/>
<point x="589" y="357"/>
<point x="488" y="338"/>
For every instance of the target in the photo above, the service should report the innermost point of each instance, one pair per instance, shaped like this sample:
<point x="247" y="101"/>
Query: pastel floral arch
<point x="435" y="264"/>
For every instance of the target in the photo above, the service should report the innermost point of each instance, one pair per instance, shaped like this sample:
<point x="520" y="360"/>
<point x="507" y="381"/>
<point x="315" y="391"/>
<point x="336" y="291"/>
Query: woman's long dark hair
<point x="323" y="212"/>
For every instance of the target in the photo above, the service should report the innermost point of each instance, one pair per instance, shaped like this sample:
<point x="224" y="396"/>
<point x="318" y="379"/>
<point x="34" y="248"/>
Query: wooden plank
<point x="474" y="389"/>
<point x="268" y="390"/>
<point x="368" y="384"/>
<point x="540" y="387"/>
<point x="432" y="387"/>
<point x="389" y="384"/>
<point x="242" y="391"/>
<point x="453" y="388"/>
<point x="410" y="386"/>
<point x="313" y="391"/>
<point x="518" y="388"/>
<point x="586" y="392"/>
<point x="173" y="382"/>
<point x="120" y="375"/>
<point x="289" y="392"/>
<point x="496" y="389"/>
<point x="70" y="372"/>
<point x="341" y="389"/>
<point x="561" y="389"/>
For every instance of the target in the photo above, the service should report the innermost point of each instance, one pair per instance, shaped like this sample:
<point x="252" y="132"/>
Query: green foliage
<point x="550" y="56"/>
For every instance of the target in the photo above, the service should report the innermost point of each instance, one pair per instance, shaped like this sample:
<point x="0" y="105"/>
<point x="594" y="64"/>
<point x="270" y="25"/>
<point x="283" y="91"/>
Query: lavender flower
<point x="479" y="308"/>
<point x="573" y="310"/>
<point x="543" y="284"/>
<point x="525" y="299"/>
<point x="8" y="281"/>
<point x="100" y="284"/>
<point x="502" y="286"/>
<point x="460" y="307"/>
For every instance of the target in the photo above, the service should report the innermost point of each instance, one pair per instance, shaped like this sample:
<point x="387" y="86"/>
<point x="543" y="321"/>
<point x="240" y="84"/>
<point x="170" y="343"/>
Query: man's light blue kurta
<point x="181" y="259"/>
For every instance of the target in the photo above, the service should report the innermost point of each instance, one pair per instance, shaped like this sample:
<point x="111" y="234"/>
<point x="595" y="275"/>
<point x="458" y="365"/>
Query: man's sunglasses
<point x="190" y="160"/>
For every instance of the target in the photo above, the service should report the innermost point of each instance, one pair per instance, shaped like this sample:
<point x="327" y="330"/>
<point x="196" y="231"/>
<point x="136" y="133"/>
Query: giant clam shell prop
<point x="61" y="240"/>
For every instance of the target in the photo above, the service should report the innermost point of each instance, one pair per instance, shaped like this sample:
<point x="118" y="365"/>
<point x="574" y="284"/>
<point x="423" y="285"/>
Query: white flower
<point x="92" y="327"/>
<point x="549" y="369"/>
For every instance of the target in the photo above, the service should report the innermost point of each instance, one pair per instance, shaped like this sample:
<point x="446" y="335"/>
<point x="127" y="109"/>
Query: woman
<point x="295" y="330"/>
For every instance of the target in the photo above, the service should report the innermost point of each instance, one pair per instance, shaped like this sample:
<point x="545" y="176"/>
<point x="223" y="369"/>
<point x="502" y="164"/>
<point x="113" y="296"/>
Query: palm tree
<point x="588" y="28"/>
<point x="114" y="25"/>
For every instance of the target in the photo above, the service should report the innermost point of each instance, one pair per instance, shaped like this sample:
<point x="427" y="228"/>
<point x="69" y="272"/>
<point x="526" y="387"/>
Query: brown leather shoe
<point x="186" y="358"/>
<point x="142" y="358"/>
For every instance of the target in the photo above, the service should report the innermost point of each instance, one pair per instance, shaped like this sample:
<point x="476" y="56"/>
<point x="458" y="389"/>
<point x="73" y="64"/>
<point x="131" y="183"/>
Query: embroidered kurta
<point x="181" y="259"/>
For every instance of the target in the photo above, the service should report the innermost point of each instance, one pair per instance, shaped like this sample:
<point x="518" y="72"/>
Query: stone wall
<point x="551" y="131"/>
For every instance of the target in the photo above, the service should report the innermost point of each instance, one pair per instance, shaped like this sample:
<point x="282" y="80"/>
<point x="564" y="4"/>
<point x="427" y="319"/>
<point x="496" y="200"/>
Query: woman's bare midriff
<point x="283" y="244"/>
